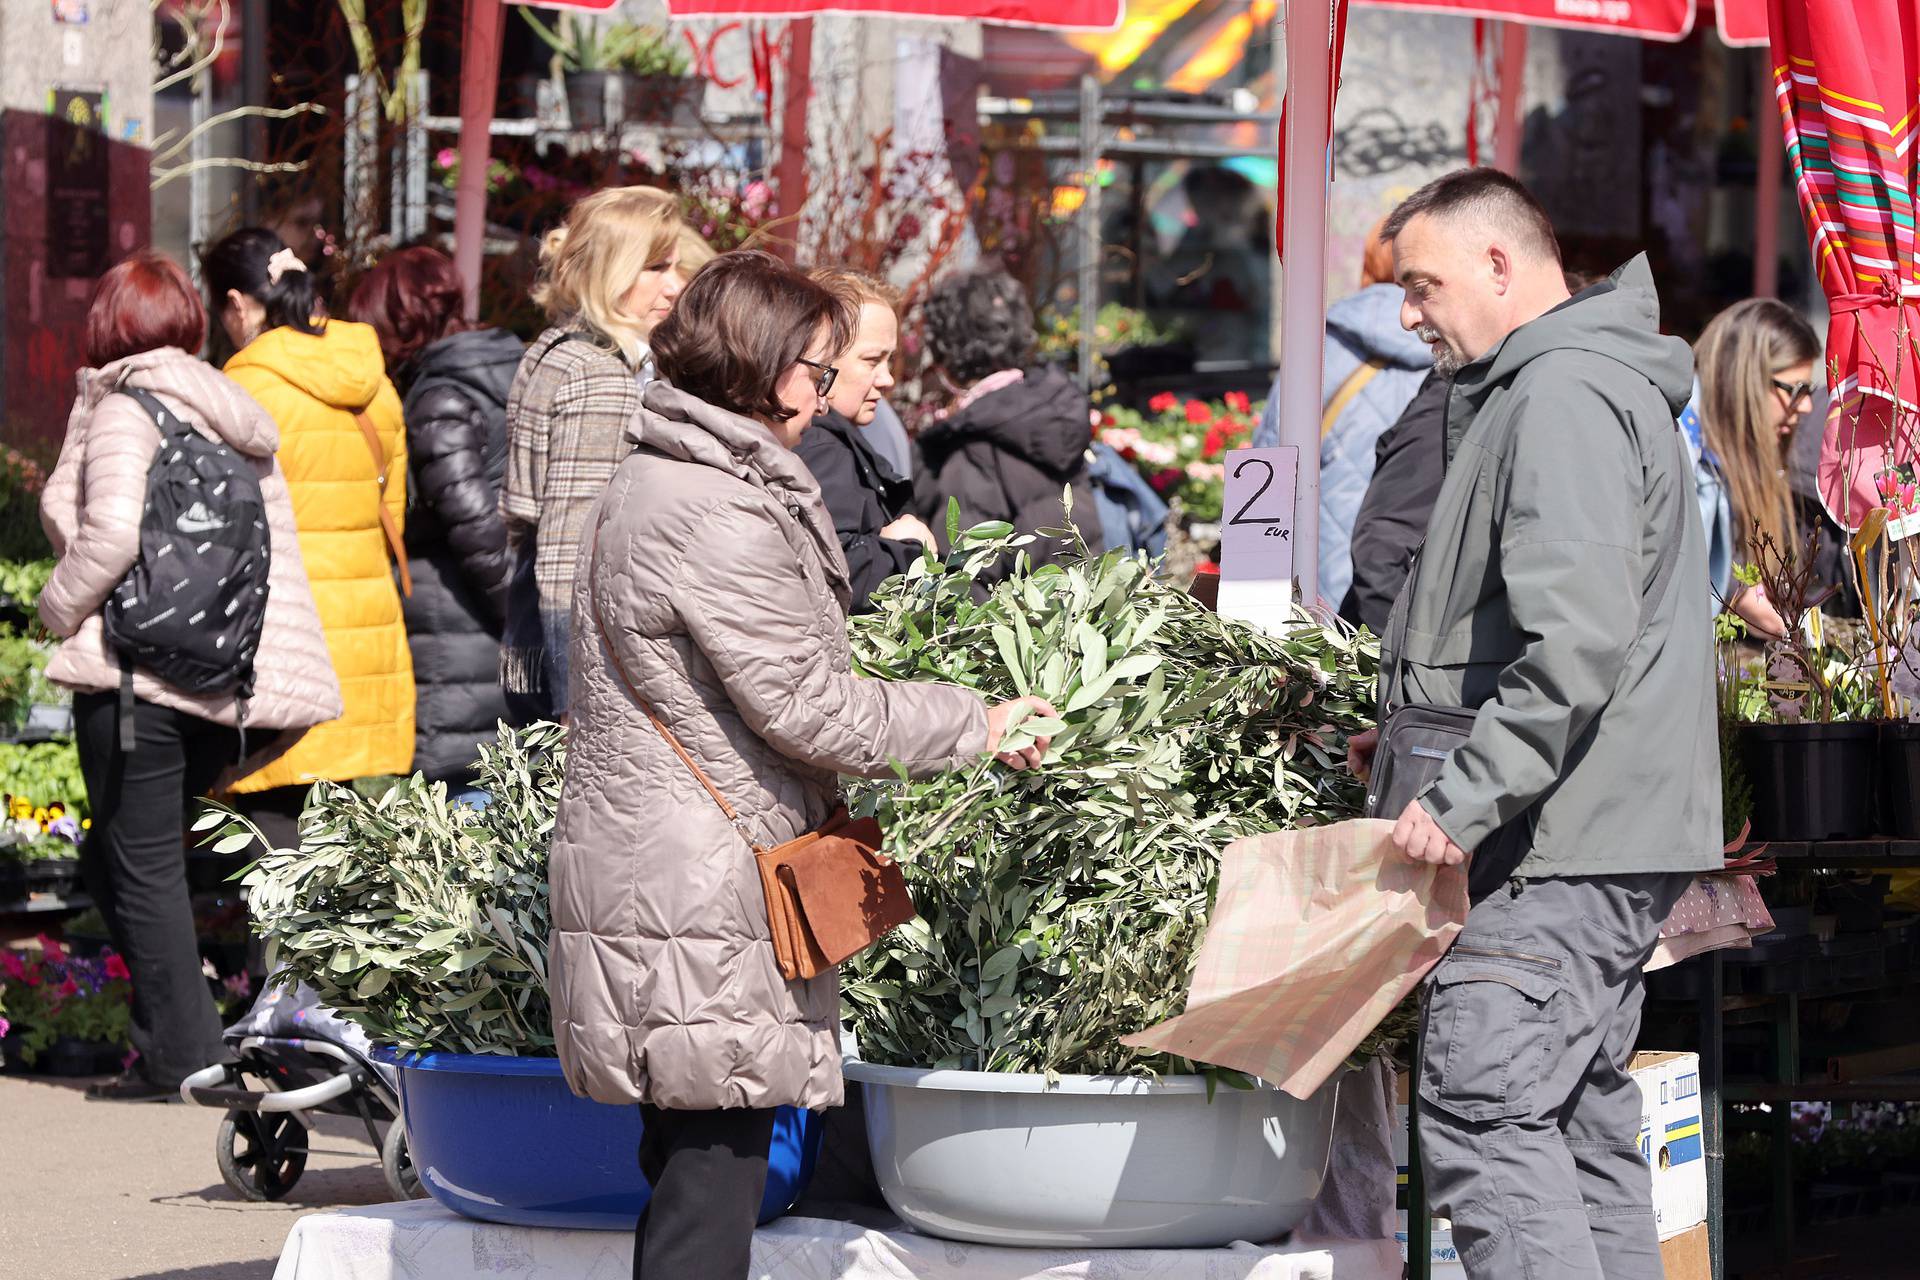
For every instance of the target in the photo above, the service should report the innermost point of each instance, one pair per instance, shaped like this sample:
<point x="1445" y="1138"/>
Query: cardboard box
<point x="1685" y="1256"/>
<point x="1671" y="1139"/>
<point x="1444" y="1257"/>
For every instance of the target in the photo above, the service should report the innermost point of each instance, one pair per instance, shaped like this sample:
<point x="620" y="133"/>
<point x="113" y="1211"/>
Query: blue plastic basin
<point x="504" y="1140"/>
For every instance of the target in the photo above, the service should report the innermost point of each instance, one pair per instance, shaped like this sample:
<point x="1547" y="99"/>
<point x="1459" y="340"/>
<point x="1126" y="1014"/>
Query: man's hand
<point x="1420" y="839"/>
<point x="1360" y="749"/>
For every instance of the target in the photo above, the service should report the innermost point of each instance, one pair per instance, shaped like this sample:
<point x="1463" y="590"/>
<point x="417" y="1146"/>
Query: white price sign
<point x="1256" y="536"/>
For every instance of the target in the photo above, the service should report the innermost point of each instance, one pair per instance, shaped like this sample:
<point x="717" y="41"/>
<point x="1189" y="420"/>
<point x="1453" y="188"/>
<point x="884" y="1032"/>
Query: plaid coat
<point x="568" y="411"/>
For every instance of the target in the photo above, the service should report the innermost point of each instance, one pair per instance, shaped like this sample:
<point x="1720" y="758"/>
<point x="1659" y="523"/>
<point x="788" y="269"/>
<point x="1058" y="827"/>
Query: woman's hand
<point x="1004" y="717"/>
<point x="909" y="529"/>
<point x="1753" y="608"/>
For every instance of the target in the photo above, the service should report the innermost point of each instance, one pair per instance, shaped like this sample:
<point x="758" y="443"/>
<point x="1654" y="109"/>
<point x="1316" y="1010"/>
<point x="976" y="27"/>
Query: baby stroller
<point x="308" y="1058"/>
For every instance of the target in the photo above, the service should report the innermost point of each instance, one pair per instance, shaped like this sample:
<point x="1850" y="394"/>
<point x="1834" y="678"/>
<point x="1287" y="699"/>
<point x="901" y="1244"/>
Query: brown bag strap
<point x="386" y="516"/>
<point x="633" y="690"/>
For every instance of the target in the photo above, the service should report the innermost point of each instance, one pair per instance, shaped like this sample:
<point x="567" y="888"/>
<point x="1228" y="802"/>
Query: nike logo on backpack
<point x="197" y="519"/>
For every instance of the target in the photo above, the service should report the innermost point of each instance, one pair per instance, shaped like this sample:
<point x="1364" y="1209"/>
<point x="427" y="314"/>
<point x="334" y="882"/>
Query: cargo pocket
<point x="1486" y="1030"/>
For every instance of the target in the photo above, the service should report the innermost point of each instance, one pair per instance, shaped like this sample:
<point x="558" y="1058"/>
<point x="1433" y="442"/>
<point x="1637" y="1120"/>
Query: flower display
<point x="53" y="994"/>
<point x="1175" y="458"/>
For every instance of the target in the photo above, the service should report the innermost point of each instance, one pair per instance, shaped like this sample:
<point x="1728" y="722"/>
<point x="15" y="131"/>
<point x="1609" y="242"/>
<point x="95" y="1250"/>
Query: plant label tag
<point x="1256" y="536"/>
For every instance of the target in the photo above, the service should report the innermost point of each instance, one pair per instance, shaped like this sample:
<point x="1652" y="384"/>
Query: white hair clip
<point x="282" y="262"/>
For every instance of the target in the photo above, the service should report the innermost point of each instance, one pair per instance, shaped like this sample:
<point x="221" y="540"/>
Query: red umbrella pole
<point x="790" y="177"/>
<point x="479" y="79"/>
<point x="1766" y="191"/>
<point x="1513" y="96"/>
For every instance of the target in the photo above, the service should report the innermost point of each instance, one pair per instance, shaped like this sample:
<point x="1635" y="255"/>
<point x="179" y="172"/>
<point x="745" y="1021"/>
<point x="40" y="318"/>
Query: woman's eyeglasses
<point x="1795" y="392"/>
<point x="824" y="374"/>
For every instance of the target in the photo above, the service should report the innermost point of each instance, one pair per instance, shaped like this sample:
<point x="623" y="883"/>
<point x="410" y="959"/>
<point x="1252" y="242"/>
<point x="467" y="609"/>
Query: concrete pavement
<point x="98" y="1191"/>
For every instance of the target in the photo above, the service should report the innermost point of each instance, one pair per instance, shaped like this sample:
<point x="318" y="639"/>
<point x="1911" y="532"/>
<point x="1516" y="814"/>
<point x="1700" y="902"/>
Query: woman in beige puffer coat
<point x="144" y="318"/>
<point x="711" y="577"/>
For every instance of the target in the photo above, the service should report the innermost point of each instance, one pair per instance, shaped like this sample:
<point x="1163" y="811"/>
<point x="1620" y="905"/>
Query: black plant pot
<point x="587" y="98"/>
<point x="654" y="99"/>
<point x="53" y="875"/>
<point x="1900" y="779"/>
<point x="1811" y="781"/>
<point x="69" y="1057"/>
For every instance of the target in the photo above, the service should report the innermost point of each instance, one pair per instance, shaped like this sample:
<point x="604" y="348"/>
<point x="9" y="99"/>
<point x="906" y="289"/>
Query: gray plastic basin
<point x="1092" y="1161"/>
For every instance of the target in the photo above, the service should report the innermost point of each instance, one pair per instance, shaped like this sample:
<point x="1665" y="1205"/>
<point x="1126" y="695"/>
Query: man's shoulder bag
<point x="830" y="893"/>
<point x="1417" y="738"/>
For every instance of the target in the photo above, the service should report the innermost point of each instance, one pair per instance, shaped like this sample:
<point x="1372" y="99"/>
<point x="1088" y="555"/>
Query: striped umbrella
<point x="1847" y="80"/>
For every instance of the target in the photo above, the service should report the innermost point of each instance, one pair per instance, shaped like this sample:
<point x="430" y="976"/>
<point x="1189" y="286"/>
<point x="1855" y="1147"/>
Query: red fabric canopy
<point x="1651" y="19"/>
<point x="1845" y="75"/>
<point x="1099" y="15"/>
<point x="1742" y="23"/>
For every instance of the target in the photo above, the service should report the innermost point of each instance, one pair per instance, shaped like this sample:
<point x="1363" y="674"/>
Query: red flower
<point x="116" y="968"/>
<point x="1163" y="402"/>
<point x="1198" y="413"/>
<point x="1106" y="419"/>
<point x="1215" y="444"/>
<point x="69" y="988"/>
<point x="1166" y="481"/>
<point x="1238" y="402"/>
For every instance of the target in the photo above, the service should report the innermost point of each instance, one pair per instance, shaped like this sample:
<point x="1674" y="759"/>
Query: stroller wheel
<point x="397" y="1163"/>
<point x="261" y="1155"/>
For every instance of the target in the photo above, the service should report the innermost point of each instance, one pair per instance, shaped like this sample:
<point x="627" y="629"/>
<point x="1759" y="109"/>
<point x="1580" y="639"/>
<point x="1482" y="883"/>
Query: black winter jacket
<point x="1008" y="456"/>
<point x="864" y="496"/>
<point x="1410" y="461"/>
<point x="456" y="409"/>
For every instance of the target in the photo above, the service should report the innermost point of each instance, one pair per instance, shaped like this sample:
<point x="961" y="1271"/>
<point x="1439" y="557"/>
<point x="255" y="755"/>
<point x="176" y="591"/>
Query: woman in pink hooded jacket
<point x="144" y="321"/>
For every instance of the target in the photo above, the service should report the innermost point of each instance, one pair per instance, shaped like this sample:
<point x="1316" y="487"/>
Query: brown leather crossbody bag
<point x="830" y="893"/>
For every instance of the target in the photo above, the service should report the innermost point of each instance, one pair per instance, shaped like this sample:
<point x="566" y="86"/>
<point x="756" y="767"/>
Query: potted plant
<point x="68" y="1015"/>
<point x="1062" y="910"/>
<point x="1808" y="741"/>
<point x="425" y="922"/>
<point x="654" y="79"/>
<point x="648" y="63"/>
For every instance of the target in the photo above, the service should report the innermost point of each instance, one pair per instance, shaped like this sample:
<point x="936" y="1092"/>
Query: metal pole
<point x="1712" y="1088"/>
<point x="1090" y="130"/>
<point x="1303" y="255"/>
<point x="1513" y="94"/>
<point x="1766" y="187"/>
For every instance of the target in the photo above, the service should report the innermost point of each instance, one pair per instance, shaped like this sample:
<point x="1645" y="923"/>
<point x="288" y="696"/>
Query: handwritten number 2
<point x="1241" y="516"/>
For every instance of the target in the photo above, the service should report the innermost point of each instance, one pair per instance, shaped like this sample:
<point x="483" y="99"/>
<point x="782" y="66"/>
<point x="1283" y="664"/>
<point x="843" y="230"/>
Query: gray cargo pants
<point x="1529" y="1122"/>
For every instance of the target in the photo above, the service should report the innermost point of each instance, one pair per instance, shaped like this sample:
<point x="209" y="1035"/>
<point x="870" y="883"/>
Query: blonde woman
<point x="1756" y="369"/>
<point x="607" y="278"/>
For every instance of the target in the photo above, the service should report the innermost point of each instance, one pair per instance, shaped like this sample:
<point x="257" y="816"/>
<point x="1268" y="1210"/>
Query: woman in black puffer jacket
<point x="454" y="378"/>
<point x="1017" y="437"/>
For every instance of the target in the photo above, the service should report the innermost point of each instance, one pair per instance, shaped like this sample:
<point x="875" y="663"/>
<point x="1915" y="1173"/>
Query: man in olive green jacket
<point x="1589" y="791"/>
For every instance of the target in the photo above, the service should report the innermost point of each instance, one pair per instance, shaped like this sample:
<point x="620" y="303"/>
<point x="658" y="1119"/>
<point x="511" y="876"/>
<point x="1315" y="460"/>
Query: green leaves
<point x="424" y="921"/>
<point x="1062" y="909"/>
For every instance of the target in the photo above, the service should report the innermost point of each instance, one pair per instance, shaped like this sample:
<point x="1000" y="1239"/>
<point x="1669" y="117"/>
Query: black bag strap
<point x="1656" y="594"/>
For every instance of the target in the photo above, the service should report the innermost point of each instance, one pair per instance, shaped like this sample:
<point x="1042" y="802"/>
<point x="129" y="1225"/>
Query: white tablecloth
<point x="419" y="1240"/>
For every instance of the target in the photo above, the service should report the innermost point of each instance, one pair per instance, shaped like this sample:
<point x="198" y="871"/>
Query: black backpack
<point x="191" y="608"/>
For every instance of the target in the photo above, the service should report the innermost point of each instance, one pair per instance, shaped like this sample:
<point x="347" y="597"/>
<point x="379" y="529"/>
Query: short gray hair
<point x="1483" y="194"/>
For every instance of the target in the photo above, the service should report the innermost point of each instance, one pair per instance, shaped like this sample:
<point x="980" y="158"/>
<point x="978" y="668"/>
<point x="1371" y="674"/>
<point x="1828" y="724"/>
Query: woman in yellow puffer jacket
<point x="324" y="383"/>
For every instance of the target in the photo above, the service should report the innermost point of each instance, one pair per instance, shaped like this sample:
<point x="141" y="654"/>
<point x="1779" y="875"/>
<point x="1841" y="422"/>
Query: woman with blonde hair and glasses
<point x="607" y="278"/>
<point x="1755" y="364"/>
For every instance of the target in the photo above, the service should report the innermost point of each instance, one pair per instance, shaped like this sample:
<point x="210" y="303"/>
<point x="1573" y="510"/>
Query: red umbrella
<point x="1650" y="19"/>
<point x="1845" y="77"/>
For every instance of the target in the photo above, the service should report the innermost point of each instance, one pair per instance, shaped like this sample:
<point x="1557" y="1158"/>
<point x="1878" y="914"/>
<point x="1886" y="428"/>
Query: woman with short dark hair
<point x="712" y="594"/>
<point x="1016" y="436"/>
<point x="454" y="376"/>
